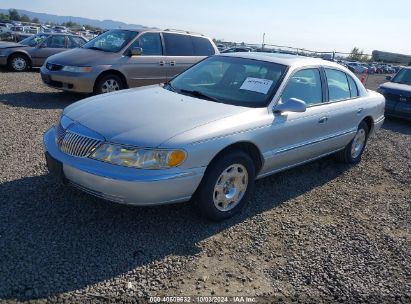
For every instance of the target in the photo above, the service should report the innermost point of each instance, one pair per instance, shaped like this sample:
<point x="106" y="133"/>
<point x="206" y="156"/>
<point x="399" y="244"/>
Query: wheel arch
<point x="108" y="72"/>
<point x="370" y="123"/>
<point x="246" y="146"/>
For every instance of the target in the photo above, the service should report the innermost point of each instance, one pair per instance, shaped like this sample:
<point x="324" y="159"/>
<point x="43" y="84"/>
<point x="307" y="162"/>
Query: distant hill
<point x="104" y="24"/>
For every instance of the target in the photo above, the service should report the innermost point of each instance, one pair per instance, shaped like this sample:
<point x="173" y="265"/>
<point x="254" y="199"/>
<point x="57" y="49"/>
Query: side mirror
<point x="42" y="45"/>
<point x="388" y="78"/>
<point x="291" y="105"/>
<point x="137" y="51"/>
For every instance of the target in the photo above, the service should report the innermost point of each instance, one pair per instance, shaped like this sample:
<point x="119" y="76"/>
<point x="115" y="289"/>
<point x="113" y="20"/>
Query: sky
<point x="318" y="25"/>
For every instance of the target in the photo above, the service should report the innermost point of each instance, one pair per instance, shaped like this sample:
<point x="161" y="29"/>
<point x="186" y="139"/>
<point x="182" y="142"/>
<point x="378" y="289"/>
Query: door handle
<point x="172" y="63"/>
<point x="162" y="62"/>
<point x="323" y="120"/>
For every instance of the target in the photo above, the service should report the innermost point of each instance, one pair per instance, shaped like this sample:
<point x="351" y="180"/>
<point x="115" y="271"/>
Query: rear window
<point x="338" y="88"/>
<point x="202" y="46"/>
<point x="353" y="86"/>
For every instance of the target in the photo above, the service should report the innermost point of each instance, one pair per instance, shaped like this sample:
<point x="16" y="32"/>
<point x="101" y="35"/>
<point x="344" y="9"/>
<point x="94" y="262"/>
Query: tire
<point x="109" y="83"/>
<point x="18" y="63"/>
<point x="220" y="195"/>
<point x="353" y="151"/>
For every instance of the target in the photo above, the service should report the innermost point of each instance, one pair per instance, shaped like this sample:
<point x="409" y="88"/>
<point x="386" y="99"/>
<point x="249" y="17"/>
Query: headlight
<point x="77" y="69"/>
<point x="139" y="158"/>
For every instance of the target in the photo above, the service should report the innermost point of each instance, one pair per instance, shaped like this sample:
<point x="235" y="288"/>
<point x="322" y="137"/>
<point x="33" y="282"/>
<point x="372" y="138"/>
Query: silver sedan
<point x="213" y="130"/>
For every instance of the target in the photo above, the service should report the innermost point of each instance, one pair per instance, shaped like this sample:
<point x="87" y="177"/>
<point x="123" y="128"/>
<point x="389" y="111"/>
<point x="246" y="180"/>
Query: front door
<point x="297" y="137"/>
<point x="52" y="45"/>
<point x="147" y="68"/>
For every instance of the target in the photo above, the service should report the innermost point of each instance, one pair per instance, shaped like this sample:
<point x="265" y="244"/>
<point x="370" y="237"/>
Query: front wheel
<point x="109" y="83"/>
<point x="18" y="63"/>
<point x="226" y="186"/>
<point x="353" y="151"/>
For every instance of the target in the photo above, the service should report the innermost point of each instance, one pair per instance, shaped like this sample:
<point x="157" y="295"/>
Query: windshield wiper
<point x="200" y="95"/>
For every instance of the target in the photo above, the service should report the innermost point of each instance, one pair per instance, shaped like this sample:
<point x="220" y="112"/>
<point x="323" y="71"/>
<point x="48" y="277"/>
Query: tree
<point x="35" y="20"/>
<point x="357" y="55"/>
<point x="14" y="14"/>
<point x="25" y="18"/>
<point x="70" y="24"/>
<point x="4" y="17"/>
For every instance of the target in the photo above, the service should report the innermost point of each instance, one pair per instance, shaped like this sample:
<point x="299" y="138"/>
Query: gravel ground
<point x="323" y="232"/>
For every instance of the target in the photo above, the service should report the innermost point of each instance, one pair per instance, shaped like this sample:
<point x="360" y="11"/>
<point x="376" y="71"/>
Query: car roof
<point x="141" y="30"/>
<point x="285" y="59"/>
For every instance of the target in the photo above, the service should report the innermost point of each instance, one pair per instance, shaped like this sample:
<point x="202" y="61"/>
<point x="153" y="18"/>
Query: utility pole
<point x="262" y="46"/>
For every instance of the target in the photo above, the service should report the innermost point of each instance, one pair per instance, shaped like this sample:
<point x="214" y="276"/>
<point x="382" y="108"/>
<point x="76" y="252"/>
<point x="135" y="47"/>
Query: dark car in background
<point x="397" y="93"/>
<point x="34" y="50"/>
<point x="238" y="49"/>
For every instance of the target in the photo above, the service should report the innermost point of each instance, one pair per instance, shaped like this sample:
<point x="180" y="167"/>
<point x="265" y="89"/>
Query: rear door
<point x="147" y="68"/>
<point x="182" y="51"/>
<point x="343" y="108"/>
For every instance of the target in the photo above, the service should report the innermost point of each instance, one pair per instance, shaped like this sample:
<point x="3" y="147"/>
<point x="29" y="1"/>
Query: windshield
<point x="231" y="80"/>
<point x="111" y="41"/>
<point x="34" y="40"/>
<point x="403" y="76"/>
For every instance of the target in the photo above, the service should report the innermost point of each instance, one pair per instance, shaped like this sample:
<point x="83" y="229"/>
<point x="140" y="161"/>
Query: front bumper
<point x="69" y="81"/>
<point x="3" y="60"/>
<point x="400" y="109"/>
<point x="122" y="184"/>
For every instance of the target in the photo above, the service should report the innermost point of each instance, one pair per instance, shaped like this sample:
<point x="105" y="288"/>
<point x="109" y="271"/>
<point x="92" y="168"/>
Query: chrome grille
<point x="75" y="144"/>
<point x="60" y="132"/>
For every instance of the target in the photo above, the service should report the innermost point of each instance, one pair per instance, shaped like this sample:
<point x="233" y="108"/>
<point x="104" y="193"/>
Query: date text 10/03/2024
<point x="205" y="299"/>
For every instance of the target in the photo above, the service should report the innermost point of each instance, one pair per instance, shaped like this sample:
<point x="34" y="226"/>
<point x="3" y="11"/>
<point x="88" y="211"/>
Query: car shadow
<point x="40" y="100"/>
<point x="56" y="239"/>
<point x="397" y="125"/>
<point x="4" y="69"/>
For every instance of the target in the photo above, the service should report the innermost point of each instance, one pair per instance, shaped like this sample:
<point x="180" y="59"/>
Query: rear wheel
<point x="18" y="63"/>
<point x="109" y="83"/>
<point x="226" y="186"/>
<point x="353" y="151"/>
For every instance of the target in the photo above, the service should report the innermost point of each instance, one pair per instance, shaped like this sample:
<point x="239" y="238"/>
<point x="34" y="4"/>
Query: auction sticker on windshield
<point x="258" y="85"/>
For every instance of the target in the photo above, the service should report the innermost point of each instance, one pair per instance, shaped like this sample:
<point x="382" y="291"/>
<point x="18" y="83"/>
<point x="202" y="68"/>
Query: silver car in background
<point x="34" y="50"/>
<point x="120" y="59"/>
<point x="212" y="130"/>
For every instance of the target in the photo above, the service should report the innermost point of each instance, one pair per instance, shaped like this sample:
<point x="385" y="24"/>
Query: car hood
<point x="83" y="57"/>
<point x="147" y="116"/>
<point x="397" y="88"/>
<point x="7" y="45"/>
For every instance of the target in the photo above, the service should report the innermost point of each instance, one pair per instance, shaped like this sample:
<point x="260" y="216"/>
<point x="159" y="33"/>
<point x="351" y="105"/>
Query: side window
<point x="304" y="85"/>
<point x="150" y="43"/>
<point x="353" y="86"/>
<point x="202" y="46"/>
<point x="338" y="88"/>
<point x="58" y="42"/>
<point x="74" y="42"/>
<point x="178" y="45"/>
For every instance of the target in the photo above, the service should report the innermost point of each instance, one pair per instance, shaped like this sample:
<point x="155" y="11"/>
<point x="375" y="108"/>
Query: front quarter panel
<point x="203" y="143"/>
